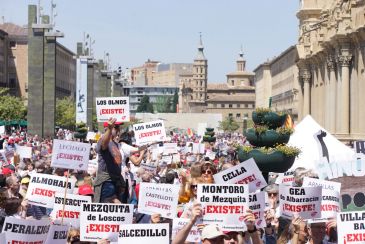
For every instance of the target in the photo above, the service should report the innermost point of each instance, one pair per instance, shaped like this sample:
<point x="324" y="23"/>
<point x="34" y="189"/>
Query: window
<point x="230" y="115"/>
<point x="246" y="105"/>
<point x="230" y="106"/>
<point x="222" y="106"/>
<point x="238" y="116"/>
<point x="214" y="105"/>
<point x="12" y="82"/>
<point x="232" y="82"/>
<point x="238" y="105"/>
<point x="12" y="44"/>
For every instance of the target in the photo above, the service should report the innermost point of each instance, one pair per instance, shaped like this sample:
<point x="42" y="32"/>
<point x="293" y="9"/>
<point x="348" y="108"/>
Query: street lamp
<point x="245" y="118"/>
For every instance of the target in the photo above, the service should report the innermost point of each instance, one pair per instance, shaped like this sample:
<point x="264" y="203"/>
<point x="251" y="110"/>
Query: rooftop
<point x="232" y="98"/>
<point x="14" y="30"/>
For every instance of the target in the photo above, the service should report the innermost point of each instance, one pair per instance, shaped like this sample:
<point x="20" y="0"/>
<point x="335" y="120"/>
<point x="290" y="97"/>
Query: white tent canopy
<point x="305" y="138"/>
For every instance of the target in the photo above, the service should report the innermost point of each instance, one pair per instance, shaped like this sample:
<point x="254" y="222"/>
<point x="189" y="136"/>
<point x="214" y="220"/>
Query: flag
<point x="289" y="122"/>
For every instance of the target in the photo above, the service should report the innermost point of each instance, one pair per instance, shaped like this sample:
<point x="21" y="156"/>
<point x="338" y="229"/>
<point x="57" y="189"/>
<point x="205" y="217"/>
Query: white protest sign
<point x="25" y="230"/>
<point x="2" y="129"/>
<point x="179" y="223"/>
<point x="92" y="166"/>
<point x="224" y="205"/>
<point x="3" y="159"/>
<point x="246" y="172"/>
<point x="2" y="238"/>
<point x="24" y="152"/>
<point x="148" y="167"/>
<point x="71" y="213"/>
<point x="42" y="189"/>
<point x="286" y="178"/>
<point x="351" y="227"/>
<point x="112" y="107"/>
<point x="158" y="198"/>
<point x="57" y="234"/>
<point x="257" y="204"/>
<point x="302" y="201"/>
<point x="330" y="204"/>
<point x="90" y="135"/>
<point x="149" y="132"/>
<point x="210" y="154"/>
<point x="176" y="158"/>
<point x="70" y="155"/>
<point x="167" y="159"/>
<point x="198" y="148"/>
<point x="170" y="148"/>
<point x="103" y="220"/>
<point x="144" y="234"/>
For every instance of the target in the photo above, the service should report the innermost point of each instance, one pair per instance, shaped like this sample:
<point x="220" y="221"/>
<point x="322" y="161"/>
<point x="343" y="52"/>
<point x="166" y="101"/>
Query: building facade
<point x="169" y="74"/>
<point x="142" y="76"/>
<point x="3" y="58"/>
<point x="65" y="72"/>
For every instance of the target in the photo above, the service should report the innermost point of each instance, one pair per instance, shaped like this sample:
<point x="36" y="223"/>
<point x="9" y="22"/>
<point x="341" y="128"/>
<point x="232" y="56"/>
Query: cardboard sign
<point x="198" y="148"/>
<point x="246" y="172"/>
<point x="71" y="214"/>
<point x="149" y="167"/>
<point x="112" y="107"/>
<point x="102" y="220"/>
<point x="25" y="230"/>
<point x="70" y="155"/>
<point x="144" y="234"/>
<point x="170" y="148"/>
<point x="24" y="152"/>
<point x="57" y="234"/>
<point x="256" y="202"/>
<point x="330" y="204"/>
<point x="351" y="227"/>
<point x="42" y="189"/>
<point x="224" y="205"/>
<point x="179" y="223"/>
<point x="149" y="132"/>
<point x="286" y="178"/>
<point x="158" y="198"/>
<point x="302" y="201"/>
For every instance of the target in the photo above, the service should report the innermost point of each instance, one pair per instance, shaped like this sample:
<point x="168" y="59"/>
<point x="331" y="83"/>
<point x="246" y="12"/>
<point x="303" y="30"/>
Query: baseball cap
<point x="211" y="232"/>
<point x="7" y="171"/>
<point x="116" y="123"/>
<point x="25" y="180"/>
<point x="86" y="190"/>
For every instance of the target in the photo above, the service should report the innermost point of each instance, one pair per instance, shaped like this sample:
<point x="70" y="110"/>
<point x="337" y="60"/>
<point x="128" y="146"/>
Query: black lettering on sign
<point x="101" y="102"/>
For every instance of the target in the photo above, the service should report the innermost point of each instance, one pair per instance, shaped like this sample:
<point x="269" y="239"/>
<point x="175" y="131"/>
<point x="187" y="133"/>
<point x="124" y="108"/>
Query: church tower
<point x="200" y="75"/>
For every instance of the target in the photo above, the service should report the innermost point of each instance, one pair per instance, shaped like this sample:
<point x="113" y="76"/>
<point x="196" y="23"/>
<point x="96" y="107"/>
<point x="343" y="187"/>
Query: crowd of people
<point x="117" y="176"/>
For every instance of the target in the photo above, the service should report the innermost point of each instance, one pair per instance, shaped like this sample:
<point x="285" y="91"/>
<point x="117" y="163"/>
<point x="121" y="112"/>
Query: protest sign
<point x="2" y="129"/>
<point x="351" y="227"/>
<point x="92" y="166"/>
<point x="103" y="220"/>
<point x="330" y="204"/>
<point x="158" y="198"/>
<point x="25" y="230"/>
<point x="2" y="238"/>
<point x="57" y="234"/>
<point x="24" y="152"/>
<point x="224" y="205"/>
<point x="70" y="155"/>
<point x="302" y="201"/>
<point x="256" y="202"/>
<point x="90" y="135"/>
<point x="149" y="167"/>
<point x="179" y="223"/>
<point x="210" y="154"/>
<point x="286" y="178"/>
<point x="198" y="148"/>
<point x="167" y="159"/>
<point x="42" y="189"/>
<point x="71" y="213"/>
<point x="246" y="172"/>
<point x="144" y="234"/>
<point x="153" y="131"/>
<point x="3" y="159"/>
<point x="170" y="148"/>
<point x="112" y="107"/>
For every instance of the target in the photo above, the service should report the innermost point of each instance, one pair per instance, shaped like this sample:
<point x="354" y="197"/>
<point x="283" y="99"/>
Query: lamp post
<point x="245" y="118"/>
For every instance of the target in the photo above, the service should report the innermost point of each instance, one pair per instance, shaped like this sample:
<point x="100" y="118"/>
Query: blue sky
<point x="133" y="31"/>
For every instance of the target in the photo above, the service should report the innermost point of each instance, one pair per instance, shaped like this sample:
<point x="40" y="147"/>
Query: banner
<point x="286" y="178"/>
<point x="112" y="107"/>
<point x="144" y="234"/>
<point x="103" y="220"/>
<point x="302" y="201"/>
<point x="149" y="167"/>
<point x="158" y="198"/>
<point x="246" y="172"/>
<point x="70" y="155"/>
<point x="23" y="151"/>
<point x="330" y="204"/>
<point x="256" y="202"/>
<point x="42" y="189"/>
<point x="351" y="227"/>
<point x="81" y="90"/>
<point x="224" y="205"/>
<point x="179" y="223"/>
<point x="153" y="131"/>
<point x="57" y="234"/>
<point x="170" y="148"/>
<point x="73" y="203"/>
<point x="25" y="230"/>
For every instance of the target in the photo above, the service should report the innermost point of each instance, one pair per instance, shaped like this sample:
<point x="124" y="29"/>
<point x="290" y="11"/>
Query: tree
<point x="175" y="102"/>
<point x="11" y="107"/>
<point x="66" y="112"/>
<point x="163" y="104"/>
<point x="228" y="124"/>
<point x="145" y="105"/>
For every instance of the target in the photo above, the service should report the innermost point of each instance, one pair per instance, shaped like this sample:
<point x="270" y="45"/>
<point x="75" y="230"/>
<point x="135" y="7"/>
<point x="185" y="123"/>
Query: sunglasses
<point x="272" y="194"/>
<point x="193" y="186"/>
<point x="209" y="172"/>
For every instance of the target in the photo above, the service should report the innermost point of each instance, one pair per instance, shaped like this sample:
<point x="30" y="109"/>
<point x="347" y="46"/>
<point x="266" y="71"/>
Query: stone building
<point x="142" y="75"/>
<point x="331" y="65"/>
<point x="3" y="58"/>
<point x="169" y="74"/>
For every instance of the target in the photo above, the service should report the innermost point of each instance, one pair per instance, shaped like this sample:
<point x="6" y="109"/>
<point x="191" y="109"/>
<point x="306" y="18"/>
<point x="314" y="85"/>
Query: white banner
<point x="153" y="131"/>
<point x="330" y="204"/>
<point x="70" y="155"/>
<point x="179" y="223"/>
<point x="42" y="189"/>
<point x="224" y="205"/>
<point x="102" y="220"/>
<point x="302" y="201"/>
<point x="170" y="148"/>
<point x="286" y="178"/>
<point x="23" y="151"/>
<point x="144" y="234"/>
<point x="57" y="234"/>
<point x="351" y="227"/>
<point x="112" y="107"/>
<point x="246" y="172"/>
<point x="81" y="90"/>
<point x="73" y="203"/>
<point x="158" y="198"/>
<point x="25" y="230"/>
<point x="257" y="204"/>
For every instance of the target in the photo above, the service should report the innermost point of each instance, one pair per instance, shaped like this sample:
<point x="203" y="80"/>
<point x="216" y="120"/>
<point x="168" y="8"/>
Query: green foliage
<point x="175" y="102"/>
<point x="259" y="129"/>
<point x="228" y="124"/>
<point x="284" y="130"/>
<point x="163" y="104"/>
<point x="65" y="112"/>
<point x="11" y="107"/>
<point x="145" y="105"/>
